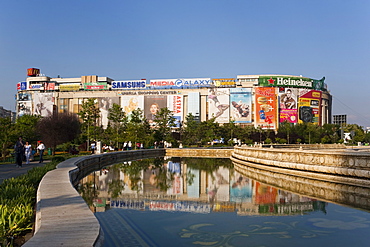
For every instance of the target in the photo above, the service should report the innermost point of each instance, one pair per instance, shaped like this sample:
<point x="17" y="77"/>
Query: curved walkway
<point x="62" y="216"/>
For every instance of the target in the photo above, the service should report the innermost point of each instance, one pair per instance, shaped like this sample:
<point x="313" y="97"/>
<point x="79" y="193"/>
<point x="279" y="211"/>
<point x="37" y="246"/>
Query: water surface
<point x="212" y="202"/>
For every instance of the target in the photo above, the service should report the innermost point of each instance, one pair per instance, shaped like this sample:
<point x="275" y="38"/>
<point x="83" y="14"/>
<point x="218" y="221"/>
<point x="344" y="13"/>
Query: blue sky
<point x="157" y="39"/>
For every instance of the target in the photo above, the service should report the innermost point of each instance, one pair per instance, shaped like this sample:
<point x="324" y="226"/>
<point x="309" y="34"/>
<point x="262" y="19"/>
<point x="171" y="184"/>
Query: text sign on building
<point x="133" y="84"/>
<point x="285" y="81"/>
<point x="95" y="86"/>
<point x="180" y="83"/>
<point x="224" y="82"/>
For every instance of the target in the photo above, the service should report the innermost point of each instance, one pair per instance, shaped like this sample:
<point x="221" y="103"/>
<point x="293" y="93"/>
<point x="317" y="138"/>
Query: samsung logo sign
<point x="136" y="84"/>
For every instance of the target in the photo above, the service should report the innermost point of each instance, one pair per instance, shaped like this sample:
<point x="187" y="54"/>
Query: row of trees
<point x="84" y="128"/>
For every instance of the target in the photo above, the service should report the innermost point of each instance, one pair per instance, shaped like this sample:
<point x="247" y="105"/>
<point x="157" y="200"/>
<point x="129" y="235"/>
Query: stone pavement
<point x="11" y="170"/>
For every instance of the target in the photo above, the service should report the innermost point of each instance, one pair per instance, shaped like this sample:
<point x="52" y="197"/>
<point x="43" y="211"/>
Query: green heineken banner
<point x="291" y="81"/>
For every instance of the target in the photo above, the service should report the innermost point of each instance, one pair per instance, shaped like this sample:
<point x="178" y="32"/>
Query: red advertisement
<point x="288" y="105"/>
<point x="265" y="110"/>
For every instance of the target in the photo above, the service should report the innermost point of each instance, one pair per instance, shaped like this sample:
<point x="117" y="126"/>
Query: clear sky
<point x="159" y="39"/>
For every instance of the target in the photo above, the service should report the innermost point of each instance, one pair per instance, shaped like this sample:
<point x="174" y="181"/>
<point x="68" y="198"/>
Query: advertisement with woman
<point x="152" y="105"/>
<point x="104" y="105"/>
<point x="218" y="104"/>
<point x="241" y="105"/>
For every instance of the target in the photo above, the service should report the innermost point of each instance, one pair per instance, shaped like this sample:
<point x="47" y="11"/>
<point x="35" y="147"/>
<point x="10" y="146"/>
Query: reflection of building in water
<point x="175" y="187"/>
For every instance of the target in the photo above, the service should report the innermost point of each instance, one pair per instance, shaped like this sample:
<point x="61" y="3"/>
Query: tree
<point x="89" y="115"/>
<point x="118" y="120"/>
<point x="58" y="128"/>
<point x="138" y="129"/>
<point x="7" y="135"/>
<point x="25" y="126"/>
<point x="163" y="122"/>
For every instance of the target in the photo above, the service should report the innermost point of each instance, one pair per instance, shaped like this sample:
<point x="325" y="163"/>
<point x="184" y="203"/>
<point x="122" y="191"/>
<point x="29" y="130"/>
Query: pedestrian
<point x="28" y="152"/>
<point x="41" y="148"/>
<point x="93" y="147"/>
<point x="19" y="151"/>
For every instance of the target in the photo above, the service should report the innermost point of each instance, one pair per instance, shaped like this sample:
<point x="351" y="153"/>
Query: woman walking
<point x="27" y="152"/>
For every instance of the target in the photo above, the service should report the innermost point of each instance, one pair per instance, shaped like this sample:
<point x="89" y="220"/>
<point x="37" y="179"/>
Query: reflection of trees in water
<point x="161" y="178"/>
<point x="89" y="192"/>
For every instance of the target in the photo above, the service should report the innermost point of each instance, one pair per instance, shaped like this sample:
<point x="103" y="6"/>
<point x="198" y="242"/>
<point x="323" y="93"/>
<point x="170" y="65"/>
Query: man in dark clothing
<point x="19" y="151"/>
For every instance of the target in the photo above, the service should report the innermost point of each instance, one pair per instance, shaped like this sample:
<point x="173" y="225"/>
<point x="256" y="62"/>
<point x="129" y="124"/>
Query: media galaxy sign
<point x="180" y="83"/>
<point x="285" y="81"/>
<point x="133" y="84"/>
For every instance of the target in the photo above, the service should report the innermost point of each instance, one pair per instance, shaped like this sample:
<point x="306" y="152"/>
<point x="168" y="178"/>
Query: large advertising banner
<point x="67" y="87"/>
<point x="43" y="104"/>
<point x="265" y="107"/>
<point x="105" y="104"/>
<point x="241" y="105"/>
<point x="175" y="104"/>
<point x="218" y="104"/>
<point x="194" y="105"/>
<point x="22" y="85"/>
<point x="288" y="103"/>
<point x="309" y="106"/>
<point x="180" y="83"/>
<point x="132" y="102"/>
<point x="152" y="105"/>
<point x="24" y="108"/>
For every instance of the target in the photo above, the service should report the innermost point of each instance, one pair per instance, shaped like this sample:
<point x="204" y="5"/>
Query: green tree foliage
<point x="163" y="122"/>
<point x="90" y="114"/>
<point x="25" y="126"/>
<point x="58" y="129"/>
<point x="138" y="129"/>
<point x="7" y="135"/>
<point x="118" y="122"/>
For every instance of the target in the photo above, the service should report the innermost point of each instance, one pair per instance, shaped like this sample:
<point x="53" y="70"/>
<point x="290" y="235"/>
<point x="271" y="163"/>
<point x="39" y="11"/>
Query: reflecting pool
<point x="173" y="201"/>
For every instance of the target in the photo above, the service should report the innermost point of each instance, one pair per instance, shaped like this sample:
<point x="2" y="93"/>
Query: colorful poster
<point x="175" y="104"/>
<point x="265" y="113"/>
<point x="132" y="102"/>
<point x="43" y="104"/>
<point x="218" y="104"/>
<point x="104" y="105"/>
<point x="152" y="105"/>
<point x="288" y="105"/>
<point x="241" y="105"/>
<point x="309" y="106"/>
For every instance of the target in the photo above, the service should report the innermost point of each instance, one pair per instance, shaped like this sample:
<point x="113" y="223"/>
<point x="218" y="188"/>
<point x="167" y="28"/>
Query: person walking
<point x="27" y="152"/>
<point x="41" y="148"/>
<point x="19" y="151"/>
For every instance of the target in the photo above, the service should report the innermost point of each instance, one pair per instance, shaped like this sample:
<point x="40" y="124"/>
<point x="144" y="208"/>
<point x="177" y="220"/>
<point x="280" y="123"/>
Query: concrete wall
<point x="336" y="165"/>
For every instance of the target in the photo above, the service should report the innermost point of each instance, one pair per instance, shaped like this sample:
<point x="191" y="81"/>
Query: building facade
<point x="259" y="100"/>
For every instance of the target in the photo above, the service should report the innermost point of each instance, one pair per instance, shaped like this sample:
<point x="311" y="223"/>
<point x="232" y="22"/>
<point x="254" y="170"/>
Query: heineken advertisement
<point x="291" y="81"/>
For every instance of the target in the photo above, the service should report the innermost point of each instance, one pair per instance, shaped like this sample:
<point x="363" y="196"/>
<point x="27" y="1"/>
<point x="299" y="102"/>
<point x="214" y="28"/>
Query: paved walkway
<point x="11" y="170"/>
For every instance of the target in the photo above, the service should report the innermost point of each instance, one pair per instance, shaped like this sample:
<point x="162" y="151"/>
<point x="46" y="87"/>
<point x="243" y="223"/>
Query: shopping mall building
<point x="258" y="100"/>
